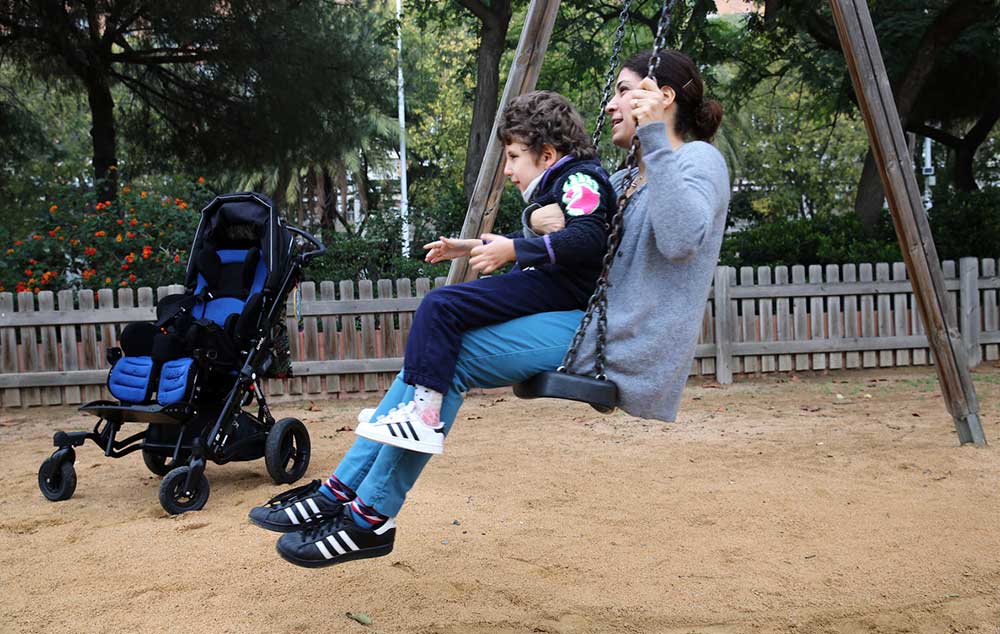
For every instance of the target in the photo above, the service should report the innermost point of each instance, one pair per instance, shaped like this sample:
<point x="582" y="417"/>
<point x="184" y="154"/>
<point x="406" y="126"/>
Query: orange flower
<point x="52" y="234"/>
<point x="9" y="251"/>
<point x="99" y="206"/>
<point x="177" y="258"/>
<point x="145" y="225"/>
<point x="74" y="242"/>
<point x="126" y="189"/>
<point x="32" y="261"/>
<point x="124" y="283"/>
<point x="130" y="258"/>
<point x="201" y="180"/>
<point x="124" y="267"/>
<point x="90" y="251"/>
<point x="100" y="234"/>
<point x="133" y="222"/>
<point x="118" y="238"/>
<point x="183" y="205"/>
<point x="36" y="237"/>
<point x="17" y="243"/>
<point x="130" y="234"/>
<point x="53" y="208"/>
<point x="120" y="221"/>
<point x="131" y="277"/>
<point x="20" y="287"/>
<point x="28" y="272"/>
<point x="146" y="252"/>
<point x="107" y="280"/>
<point x="142" y="194"/>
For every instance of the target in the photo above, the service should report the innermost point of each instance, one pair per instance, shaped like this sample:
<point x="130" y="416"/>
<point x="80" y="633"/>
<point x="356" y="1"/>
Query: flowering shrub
<point x="140" y="239"/>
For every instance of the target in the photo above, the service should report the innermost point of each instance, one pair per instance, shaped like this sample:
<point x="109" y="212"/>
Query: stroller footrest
<point x="174" y="413"/>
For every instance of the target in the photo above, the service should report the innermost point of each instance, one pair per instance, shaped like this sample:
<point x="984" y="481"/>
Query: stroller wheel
<point x="175" y="499"/>
<point x="57" y="478"/>
<point x="161" y="465"/>
<point x="286" y="453"/>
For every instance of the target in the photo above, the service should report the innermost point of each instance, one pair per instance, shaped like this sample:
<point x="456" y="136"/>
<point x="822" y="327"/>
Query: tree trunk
<point x="493" y="35"/>
<point x="870" y="196"/>
<point x="102" y="133"/>
<point x="281" y="187"/>
<point x="964" y="176"/>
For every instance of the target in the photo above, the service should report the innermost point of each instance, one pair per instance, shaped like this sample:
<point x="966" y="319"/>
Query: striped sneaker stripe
<point x="303" y="513"/>
<point x="402" y="431"/>
<point x="347" y="540"/>
<point x="291" y="516"/>
<point x="312" y="505"/>
<point x="413" y="431"/>
<point x="323" y="551"/>
<point x="336" y="545"/>
<point x="391" y="430"/>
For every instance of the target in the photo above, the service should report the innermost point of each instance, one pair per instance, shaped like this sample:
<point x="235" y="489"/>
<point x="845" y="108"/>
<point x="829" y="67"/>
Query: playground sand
<point x="828" y="504"/>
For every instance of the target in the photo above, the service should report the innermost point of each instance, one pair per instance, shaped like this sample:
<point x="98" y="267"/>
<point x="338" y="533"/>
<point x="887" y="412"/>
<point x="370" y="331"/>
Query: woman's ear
<point x="549" y="155"/>
<point x="669" y="94"/>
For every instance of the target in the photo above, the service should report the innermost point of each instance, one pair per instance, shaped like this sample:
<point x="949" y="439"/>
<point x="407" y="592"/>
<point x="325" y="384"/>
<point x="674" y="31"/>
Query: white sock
<point x="428" y="405"/>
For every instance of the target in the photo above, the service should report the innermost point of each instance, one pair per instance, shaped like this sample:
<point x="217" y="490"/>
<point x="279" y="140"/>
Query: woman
<point x="674" y="225"/>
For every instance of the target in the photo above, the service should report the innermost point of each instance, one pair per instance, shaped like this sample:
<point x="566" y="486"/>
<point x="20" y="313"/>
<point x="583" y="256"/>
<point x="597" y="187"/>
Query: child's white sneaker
<point x="403" y="427"/>
<point x="365" y="415"/>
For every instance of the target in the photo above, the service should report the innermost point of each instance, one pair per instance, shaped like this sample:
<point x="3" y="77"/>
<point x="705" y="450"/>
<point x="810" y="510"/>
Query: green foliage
<point x="967" y="224"/>
<point x="140" y="239"/>
<point x="822" y="239"/>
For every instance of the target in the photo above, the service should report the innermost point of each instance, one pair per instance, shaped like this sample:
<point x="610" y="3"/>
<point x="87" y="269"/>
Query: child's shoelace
<point x="294" y="494"/>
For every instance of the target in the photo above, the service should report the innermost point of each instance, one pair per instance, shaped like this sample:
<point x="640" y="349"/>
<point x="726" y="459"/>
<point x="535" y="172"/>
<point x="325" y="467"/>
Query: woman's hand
<point x="649" y="102"/>
<point x="494" y="253"/>
<point x="449" y="249"/>
<point x="547" y="219"/>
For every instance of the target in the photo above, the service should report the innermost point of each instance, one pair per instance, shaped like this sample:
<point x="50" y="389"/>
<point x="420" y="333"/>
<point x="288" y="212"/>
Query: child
<point x="551" y="160"/>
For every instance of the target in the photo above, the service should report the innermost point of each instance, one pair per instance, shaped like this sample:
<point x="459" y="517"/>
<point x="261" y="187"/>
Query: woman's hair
<point x="543" y="117"/>
<point x="695" y="114"/>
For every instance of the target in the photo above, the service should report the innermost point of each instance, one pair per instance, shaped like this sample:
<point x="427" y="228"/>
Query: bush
<point x="826" y="239"/>
<point x="140" y="239"/>
<point x="967" y="224"/>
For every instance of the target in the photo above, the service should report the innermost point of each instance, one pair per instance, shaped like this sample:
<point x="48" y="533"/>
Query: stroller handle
<point x="308" y="255"/>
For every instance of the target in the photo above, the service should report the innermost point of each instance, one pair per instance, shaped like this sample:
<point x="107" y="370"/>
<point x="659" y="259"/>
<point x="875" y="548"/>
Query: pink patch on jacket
<point x="581" y="200"/>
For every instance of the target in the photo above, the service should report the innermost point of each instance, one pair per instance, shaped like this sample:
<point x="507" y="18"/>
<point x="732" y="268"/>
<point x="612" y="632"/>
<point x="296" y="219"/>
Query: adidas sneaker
<point x="402" y="427"/>
<point x="295" y="509"/>
<point x="335" y="541"/>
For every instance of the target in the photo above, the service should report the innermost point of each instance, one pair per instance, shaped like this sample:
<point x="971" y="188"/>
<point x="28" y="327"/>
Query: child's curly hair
<point x="544" y="117"/>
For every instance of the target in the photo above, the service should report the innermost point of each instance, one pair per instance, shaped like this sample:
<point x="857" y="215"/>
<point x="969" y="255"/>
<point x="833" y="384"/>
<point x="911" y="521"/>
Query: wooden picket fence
<point x="352" y="334"/>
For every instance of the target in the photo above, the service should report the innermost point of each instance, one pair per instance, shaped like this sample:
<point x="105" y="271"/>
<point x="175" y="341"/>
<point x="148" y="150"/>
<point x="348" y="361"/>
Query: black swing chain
<point x="609" y="78"/>
<point x="598" y="302"/>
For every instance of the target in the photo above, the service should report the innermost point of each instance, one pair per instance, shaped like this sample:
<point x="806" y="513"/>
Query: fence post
<point x="723" y="329"/>
<point x="968" y="301"/>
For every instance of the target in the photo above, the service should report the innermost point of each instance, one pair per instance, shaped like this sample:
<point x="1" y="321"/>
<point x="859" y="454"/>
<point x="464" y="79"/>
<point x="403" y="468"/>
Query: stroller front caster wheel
<point x="174" y="496"/>
<point x="286" y="453"/>
<point x="57" y="478"/>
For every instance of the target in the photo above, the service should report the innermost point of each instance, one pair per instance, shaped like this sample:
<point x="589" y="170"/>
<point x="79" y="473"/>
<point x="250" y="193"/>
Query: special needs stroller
<point x="189" y="375"/>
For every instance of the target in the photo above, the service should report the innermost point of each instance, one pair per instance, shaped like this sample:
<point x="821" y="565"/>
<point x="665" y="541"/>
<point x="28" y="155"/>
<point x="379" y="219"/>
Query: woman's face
<point x="619" y="108"/>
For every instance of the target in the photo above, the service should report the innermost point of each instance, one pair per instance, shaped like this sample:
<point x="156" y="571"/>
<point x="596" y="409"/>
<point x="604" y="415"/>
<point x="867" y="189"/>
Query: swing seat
<point x="600" y="394"/>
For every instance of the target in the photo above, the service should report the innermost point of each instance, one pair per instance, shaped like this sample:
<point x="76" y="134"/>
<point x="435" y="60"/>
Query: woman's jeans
<point x="494" y="356"/>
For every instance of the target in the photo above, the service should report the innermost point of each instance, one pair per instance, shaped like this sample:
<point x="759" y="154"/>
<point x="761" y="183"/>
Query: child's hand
<point x="487" y="258"/>
<point x="547" y="219"/>
<point x="449" y="249"/>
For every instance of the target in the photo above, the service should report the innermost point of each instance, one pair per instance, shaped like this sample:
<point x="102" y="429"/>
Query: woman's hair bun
<point x="707" y="118"/>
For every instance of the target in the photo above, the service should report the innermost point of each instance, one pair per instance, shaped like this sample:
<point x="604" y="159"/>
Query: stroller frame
<point x="182" y="461"/>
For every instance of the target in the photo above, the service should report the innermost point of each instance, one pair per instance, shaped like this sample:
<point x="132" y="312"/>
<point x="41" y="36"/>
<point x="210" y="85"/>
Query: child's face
<point x="523" y="165"/>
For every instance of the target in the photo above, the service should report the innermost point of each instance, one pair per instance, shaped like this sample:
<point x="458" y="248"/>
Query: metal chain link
<point x="599" y="300"/>
<point x="609" y="78"/>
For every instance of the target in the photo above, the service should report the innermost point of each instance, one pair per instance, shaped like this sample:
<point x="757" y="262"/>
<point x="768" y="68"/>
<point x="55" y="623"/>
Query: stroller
<point x="190" y="375"/>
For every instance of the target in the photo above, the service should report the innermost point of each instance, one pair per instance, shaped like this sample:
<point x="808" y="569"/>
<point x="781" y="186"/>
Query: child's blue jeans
<point x="494" y="356"/>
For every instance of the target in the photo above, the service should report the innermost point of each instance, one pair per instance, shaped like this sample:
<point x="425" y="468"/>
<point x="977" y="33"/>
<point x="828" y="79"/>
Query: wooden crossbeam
<point x="888" y="143"/>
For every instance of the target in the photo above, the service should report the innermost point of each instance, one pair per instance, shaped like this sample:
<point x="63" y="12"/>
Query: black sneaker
<point x="336" y="541"/>
<point x="295" y="509"/>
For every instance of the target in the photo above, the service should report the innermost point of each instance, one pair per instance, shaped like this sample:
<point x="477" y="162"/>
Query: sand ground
<point x="828" y="504"/>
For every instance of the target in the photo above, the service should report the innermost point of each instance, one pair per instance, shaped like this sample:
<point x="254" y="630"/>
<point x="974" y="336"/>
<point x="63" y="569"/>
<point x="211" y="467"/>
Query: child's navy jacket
<point x="574" y="254"/>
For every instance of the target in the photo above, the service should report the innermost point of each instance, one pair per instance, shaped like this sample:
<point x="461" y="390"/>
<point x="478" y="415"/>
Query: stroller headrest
<point x="230" y="272"/>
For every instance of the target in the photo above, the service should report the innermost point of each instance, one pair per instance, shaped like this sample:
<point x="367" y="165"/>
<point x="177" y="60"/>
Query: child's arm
<point x="449" y="248"/>
<point x="587" y="204"/>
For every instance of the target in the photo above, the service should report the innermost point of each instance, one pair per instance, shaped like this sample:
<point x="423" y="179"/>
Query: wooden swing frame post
<point x="888" y="143"/>
<point x="523" y="76"/>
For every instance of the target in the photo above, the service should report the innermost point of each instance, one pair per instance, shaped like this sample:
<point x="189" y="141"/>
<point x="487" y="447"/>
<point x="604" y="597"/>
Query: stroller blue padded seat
<point x="130" y="379"/>
<point x="175" y="380"/>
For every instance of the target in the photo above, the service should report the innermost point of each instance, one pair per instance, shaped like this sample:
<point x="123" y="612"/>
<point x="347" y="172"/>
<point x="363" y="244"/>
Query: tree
<point x="247" y="81"/>
<point x="925" y="43"/>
